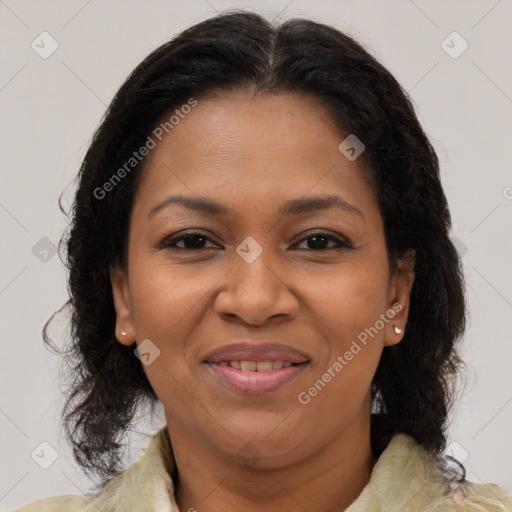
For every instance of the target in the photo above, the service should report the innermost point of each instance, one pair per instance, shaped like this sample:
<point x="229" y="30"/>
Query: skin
<point x="251" y="154"/>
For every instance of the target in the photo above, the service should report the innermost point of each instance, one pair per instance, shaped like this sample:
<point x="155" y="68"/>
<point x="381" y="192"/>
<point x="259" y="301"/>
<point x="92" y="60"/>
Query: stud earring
<point x="123" y="332"/>
<point x="397" y="329"/>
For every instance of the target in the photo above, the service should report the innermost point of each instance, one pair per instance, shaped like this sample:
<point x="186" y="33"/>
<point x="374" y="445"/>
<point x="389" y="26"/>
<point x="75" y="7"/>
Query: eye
<point x="195" y="241"/>
<point x="192" y="240"/>
<point x="318" y="241"/>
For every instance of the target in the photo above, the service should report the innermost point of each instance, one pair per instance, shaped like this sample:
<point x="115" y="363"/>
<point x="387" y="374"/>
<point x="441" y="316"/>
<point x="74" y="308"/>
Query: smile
<point x="256" y="377"/>
<point x="256" y="366"/>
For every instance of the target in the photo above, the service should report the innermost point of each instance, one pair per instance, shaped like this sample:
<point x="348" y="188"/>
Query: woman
<point x="260" y="243"/>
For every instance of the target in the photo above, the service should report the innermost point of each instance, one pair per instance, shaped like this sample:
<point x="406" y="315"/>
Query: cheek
<point x="168" y="308"/>
<point x="170" y="303"/>
<point x="164" y="297"/>
<point x="161" y="306"/>
<point x="350" y="300"/>
<point x="341" y="380"/>
<point x="350" y="305"/>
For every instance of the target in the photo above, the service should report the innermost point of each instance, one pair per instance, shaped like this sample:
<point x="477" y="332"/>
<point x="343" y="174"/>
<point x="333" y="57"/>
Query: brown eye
<point x="319" y="242"/>
<point x="192" y="241"/>
<point x="189" y="242"/>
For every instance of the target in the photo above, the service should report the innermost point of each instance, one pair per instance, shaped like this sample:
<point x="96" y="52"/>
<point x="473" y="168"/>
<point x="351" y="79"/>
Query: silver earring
<point x="397" y="329"/>
<point x="123" y="332"/>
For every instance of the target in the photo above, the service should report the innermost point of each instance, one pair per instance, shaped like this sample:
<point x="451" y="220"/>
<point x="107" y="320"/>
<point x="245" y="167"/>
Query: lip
<point x="256" y="383"/>
<point x="262" y="351"/>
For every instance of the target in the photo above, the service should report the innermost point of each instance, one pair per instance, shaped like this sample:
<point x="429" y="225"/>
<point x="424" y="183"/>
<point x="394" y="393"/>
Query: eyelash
<point x="171" y="241"/>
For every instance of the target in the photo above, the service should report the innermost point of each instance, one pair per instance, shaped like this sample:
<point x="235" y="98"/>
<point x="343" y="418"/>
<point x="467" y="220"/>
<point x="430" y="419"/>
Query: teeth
<point x="248" y="366"/>
<point x="263" y="366"/>
<point x="253" y="366"/>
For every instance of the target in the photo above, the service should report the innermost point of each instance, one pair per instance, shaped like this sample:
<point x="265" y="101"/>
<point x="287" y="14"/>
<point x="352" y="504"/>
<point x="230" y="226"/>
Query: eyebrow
<point x="291" y="207"/>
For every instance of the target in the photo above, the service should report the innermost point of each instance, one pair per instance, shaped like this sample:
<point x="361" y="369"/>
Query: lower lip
<point x="256" y="383"/>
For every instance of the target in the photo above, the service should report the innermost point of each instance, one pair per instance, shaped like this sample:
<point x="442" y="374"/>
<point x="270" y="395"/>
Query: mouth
<point x="256" y="369"/>
<point x="257" y="366"/>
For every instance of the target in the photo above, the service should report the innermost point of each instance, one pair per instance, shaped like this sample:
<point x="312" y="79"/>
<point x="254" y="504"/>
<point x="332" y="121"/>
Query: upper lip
<point x="257" y="351"/>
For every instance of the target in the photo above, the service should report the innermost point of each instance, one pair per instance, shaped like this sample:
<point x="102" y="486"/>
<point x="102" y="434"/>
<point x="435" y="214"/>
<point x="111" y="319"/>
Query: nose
<point x="255" y="293"/>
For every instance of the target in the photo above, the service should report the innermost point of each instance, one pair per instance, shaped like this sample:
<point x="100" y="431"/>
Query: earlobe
<point x="125" y="332"/>
<point x="399" y="298"/>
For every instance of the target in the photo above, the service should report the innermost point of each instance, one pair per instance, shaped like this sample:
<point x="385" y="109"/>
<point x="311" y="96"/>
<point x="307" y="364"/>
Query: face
<point x="276" y="262"/>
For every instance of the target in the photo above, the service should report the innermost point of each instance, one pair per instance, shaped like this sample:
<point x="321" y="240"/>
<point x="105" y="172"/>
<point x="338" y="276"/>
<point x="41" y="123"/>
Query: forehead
<point x="248" y="151"/>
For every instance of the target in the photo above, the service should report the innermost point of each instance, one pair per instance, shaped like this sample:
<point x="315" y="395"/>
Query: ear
<point x="125" y="332"/>
<point x="399" y="298"/>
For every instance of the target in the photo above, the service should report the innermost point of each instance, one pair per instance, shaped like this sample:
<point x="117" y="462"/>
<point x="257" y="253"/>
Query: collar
<point x="405" y="478"/>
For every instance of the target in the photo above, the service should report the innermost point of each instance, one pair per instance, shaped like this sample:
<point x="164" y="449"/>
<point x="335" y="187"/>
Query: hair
<point x="413" y="387"/>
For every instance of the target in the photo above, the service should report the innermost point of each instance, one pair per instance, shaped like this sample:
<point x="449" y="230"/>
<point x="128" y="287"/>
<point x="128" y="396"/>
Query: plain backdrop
<point x="51" y="106"/>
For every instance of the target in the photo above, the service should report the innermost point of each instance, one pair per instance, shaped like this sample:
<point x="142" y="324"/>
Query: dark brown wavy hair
<point x="413" y="387"/>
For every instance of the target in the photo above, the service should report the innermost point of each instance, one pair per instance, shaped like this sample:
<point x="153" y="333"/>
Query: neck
<point x="328" y="480"/>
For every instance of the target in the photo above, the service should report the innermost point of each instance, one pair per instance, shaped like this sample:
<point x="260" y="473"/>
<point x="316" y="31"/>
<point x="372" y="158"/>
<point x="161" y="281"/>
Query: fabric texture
<point x="404" y="479"/>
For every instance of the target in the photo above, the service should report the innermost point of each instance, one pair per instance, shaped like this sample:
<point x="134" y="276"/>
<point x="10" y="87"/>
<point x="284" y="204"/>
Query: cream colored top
<point x="404" y="478"/>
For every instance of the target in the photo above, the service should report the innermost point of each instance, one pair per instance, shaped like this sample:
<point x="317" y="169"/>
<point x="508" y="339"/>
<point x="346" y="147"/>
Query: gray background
<point x="51" y="106"/>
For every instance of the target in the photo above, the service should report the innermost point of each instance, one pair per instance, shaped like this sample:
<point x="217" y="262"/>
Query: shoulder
<point x="488" y="497"/>
<point x="145" y="485"/>
<point x="67" y="503"/>
<point x="408" y="478"/>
